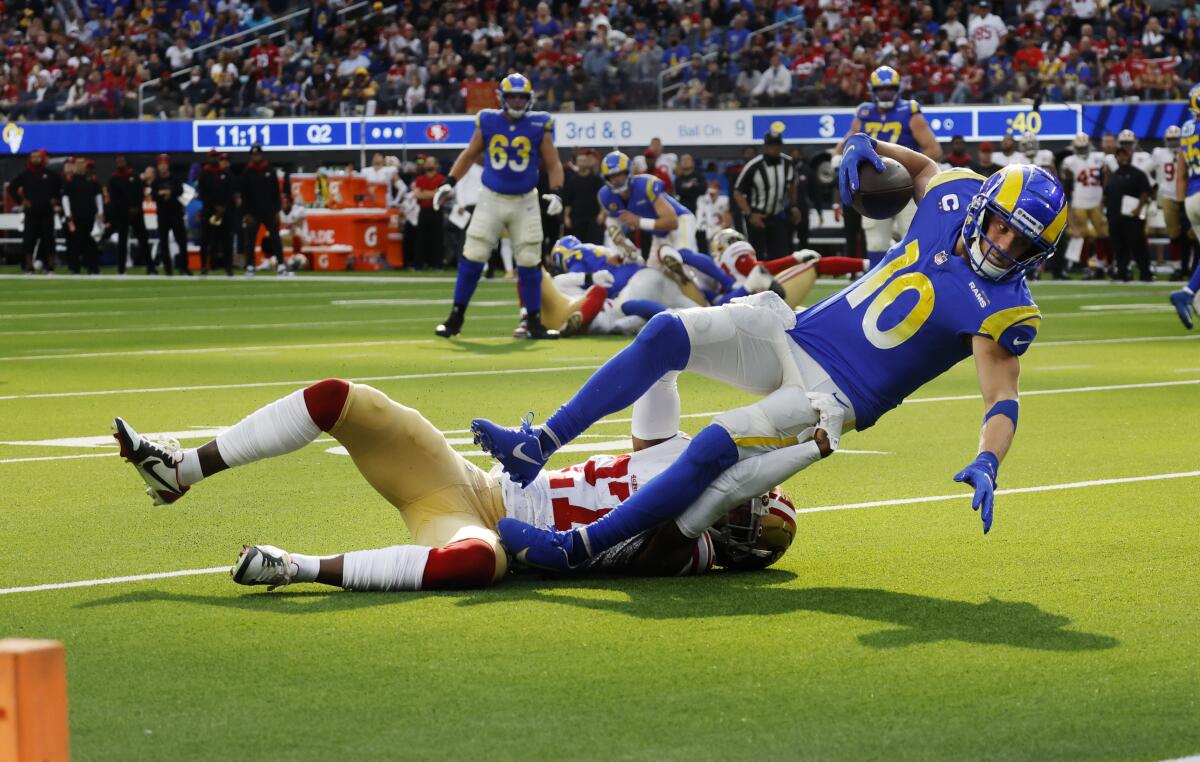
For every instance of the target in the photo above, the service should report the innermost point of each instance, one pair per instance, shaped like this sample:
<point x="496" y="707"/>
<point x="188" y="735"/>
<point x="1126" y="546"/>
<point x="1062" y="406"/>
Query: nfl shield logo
<point x="940" y="258"/>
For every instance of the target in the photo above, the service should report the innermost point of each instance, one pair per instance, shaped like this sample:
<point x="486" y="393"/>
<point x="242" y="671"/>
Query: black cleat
<point x="535" y="330"/>
<point x="453" y="325"/>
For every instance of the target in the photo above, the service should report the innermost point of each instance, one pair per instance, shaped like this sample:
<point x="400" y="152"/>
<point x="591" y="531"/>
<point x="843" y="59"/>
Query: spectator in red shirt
<point x="266" y="57"/>
<point x="1030" y="58"/>
<point x="427" y="252"/>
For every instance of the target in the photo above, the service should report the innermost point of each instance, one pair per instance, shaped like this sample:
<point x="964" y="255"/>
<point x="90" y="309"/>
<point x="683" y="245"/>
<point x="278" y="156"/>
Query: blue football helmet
<point x="515" y="87"/>
<point x="885" y="78"/>
<point x="1194" y="100"/>
<point x="563" y="252"/>
<point x="1032" y="202"/>
<point x="615" y="163"/>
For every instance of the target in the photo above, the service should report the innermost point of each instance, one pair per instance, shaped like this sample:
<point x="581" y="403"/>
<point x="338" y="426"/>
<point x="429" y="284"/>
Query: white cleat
<point x="157" y="463"/>
<point x="263" y="565"/>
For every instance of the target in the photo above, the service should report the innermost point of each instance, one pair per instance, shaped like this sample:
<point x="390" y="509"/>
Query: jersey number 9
<point x="513" y="155"/>
<point x="914" y="281"/>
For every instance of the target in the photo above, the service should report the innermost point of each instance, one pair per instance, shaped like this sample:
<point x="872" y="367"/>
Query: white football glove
<point x="554" y="205"/>
<point x="603" y="278"/>
<point x="758" y="280"/>
<point x="441" y="196"/>
<point x="805" y="256"/>
<point x="832" y="416"/>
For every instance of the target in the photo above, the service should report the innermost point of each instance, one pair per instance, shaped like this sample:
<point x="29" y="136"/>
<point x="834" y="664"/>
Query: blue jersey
<point x="588" y="258"/>
<point x="512" y="150"/>
<point x="1189" y="145"/>
<point x="912" y="317"/>
<point x="644" y="190"/>
<point x="892" y="125"/>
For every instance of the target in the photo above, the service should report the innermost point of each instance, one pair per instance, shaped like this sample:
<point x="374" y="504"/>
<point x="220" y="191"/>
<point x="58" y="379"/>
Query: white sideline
<point x="846" y="507"/>
<point x="508" y="315"/>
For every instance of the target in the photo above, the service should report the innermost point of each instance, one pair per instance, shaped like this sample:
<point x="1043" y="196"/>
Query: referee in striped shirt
<point x="765" y="192"/>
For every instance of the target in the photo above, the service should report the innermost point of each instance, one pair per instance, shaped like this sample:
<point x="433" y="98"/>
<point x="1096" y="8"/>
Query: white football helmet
<point x="1171" y="137"/>
<point x="1082" y="144"/>
<point x="756" y="533"/>
<point x="1126" y="137"/>
<point x="722" y="241"/>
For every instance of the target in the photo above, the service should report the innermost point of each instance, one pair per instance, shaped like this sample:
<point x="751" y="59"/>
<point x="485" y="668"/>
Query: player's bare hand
<point x="831" y="418"/>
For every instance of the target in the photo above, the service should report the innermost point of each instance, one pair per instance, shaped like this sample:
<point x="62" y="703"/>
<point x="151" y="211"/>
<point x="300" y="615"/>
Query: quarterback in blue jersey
<point x="953" y="287"/>
<point x="1187" y="185"/>
<point x="515" y="142"/>
<point x="888" y="117"/>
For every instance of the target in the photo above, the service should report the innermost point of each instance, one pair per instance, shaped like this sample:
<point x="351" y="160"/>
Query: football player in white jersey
<point x="1086" y="223"/>
<point x="1165" y="167"/>
<point x="1009" y="154"/>
<point x="451" y="507"/>
<point x="1141" y="159"/>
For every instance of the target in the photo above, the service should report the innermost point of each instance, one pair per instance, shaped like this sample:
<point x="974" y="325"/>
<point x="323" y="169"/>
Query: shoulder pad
<point x="863" y="110"/>
<point x="914" y="107"/>
<point x="953" y="175"/>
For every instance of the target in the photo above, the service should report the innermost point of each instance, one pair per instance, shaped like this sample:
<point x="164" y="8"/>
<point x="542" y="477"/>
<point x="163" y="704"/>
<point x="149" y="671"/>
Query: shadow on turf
<point x="917" y="619"/>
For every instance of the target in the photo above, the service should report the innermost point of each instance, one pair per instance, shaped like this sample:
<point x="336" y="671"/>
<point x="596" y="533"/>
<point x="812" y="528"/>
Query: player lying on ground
<point x="952" y="288"/>
<point x="451" y="507"/>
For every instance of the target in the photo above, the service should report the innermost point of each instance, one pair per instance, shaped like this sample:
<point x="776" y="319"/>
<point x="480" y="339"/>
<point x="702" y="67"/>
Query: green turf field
<point x="892" y="631"/>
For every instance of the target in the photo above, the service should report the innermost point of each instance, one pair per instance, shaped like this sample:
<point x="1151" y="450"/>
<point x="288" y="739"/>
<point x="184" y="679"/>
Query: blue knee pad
<point x="665" y="332"/>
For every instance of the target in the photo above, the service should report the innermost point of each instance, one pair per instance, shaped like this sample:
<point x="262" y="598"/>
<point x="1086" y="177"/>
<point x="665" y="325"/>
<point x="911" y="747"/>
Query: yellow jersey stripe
<point x="765" y="441"/>
<point x="996" y="324"/>
<point x="948" y="175"/>
<point x="1010" y="189"/>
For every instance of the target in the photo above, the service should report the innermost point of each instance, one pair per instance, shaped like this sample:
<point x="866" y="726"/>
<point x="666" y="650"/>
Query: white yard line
<point x="508" y="315"/>
<point x="964" y="496"/>
<point x="299" y="382"/>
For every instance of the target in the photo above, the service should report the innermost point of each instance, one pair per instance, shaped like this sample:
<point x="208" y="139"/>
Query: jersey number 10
<point x="914" y="281"/>
<point x="499" y="152"/>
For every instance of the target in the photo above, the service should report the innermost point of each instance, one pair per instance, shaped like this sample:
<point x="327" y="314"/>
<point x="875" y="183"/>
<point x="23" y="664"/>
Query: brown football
<point x="881" y="195"/>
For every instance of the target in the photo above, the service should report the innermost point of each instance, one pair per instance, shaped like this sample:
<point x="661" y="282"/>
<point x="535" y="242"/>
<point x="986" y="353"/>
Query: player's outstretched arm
<point x="999" y="374"/>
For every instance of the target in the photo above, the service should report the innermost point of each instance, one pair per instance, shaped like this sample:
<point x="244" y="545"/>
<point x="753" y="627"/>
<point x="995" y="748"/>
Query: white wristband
<point x="646" y="223"/>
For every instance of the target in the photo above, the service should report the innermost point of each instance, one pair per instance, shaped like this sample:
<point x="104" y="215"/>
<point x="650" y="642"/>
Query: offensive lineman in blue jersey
<point x="517" y="141"/>
<point x="642" y="202"/>
<point x="953" y="287"/>
<point x="570" y="255"/>
<point x="887" y="117"/>
<point x="1187" y="185"/>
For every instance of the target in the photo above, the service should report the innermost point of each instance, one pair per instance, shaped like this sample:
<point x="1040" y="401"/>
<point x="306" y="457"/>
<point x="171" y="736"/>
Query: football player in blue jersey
<point x="889" y="118"/>
<point x="953" y="287"/>
<point x="641" y="202"/>
<point x="1187" y="185"/>
<point x="517" y="142"/>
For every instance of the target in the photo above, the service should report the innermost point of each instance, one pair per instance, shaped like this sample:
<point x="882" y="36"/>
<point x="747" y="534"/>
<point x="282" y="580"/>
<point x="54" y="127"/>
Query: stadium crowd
<point x="85" y="59"/>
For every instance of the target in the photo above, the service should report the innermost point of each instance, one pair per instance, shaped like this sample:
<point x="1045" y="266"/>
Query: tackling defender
<point x="953" y="287"/>
<point x="1086" y="222"/>
<point x="897" y="121"/>
<point x="1187" y="186"/>
<point x="518" y="141"/>
<point x="451" y="507"/>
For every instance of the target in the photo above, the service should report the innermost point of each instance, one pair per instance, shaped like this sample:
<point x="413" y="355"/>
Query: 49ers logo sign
<point x="437" y="132"/>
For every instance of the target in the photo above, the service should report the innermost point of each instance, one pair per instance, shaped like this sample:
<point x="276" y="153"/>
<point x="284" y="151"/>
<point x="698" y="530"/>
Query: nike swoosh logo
<point x="519" y="453"/>
<point x="1018" y="342"/>
<point x="148" y="464"/>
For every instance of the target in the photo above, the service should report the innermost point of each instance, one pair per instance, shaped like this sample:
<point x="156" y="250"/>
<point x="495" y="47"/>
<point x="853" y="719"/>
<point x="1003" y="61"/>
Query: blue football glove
<point x="859" y="147"/>
<point x="981" y="474"/>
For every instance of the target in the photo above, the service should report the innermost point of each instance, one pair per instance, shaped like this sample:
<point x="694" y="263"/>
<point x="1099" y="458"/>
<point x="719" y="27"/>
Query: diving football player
<point x="1187" y="186"/>
<point x="954" y="287"/>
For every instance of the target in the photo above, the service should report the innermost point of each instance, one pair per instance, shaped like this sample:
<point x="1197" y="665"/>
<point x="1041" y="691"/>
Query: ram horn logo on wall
<point x="437" y="132"/>
<point x="13" y="135"/>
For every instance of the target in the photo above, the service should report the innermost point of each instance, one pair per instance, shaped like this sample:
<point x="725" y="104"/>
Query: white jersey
<point x="1163" y="161"/>
<point x="578" y="495"/>
<point x="293" y="217"/>
<point x="1141" y="160"/>
<point x="1016" y="157"/>
<point x="1088" y="173"/>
